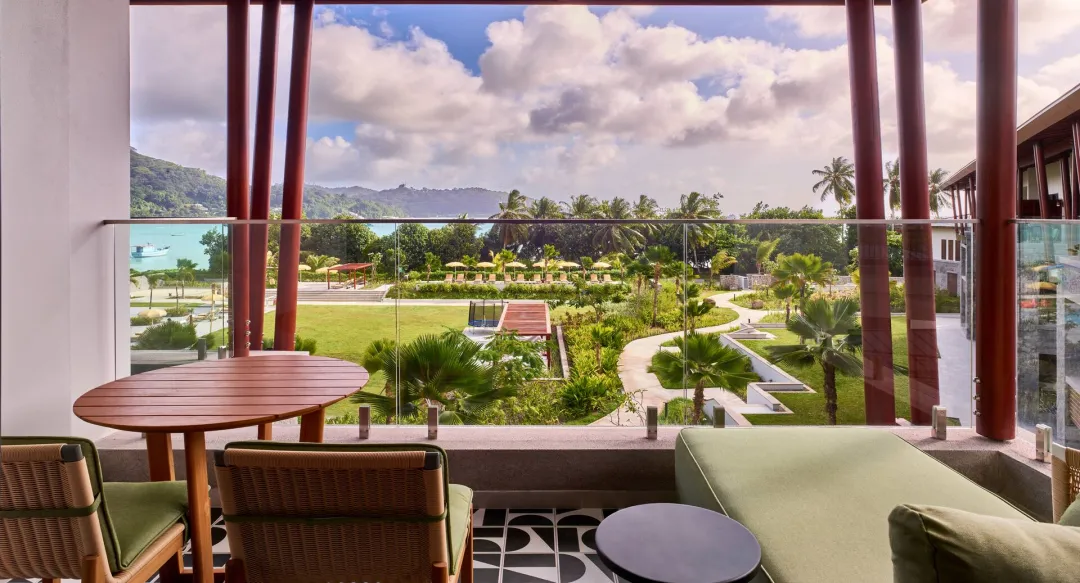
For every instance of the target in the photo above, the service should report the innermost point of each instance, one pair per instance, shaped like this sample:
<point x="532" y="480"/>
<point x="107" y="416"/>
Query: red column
<point x="1076" y="168"/>
<point x="264" y="154"/>
<point x="236" y="173"/>
<point x="1066" y="190"/>
<point x="870" y="204"/>
<point x="293" y="187"/>
<point x="915" y="204"/>
<point x="995" y="261"/>
<point x="1040" y="180"/>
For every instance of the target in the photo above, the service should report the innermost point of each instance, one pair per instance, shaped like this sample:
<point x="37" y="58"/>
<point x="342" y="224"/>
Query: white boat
<point x="147" y="250"/>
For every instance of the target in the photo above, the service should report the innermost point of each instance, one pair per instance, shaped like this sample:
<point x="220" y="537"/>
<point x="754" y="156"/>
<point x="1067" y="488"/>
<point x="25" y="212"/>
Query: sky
<point x="563" y="100"/>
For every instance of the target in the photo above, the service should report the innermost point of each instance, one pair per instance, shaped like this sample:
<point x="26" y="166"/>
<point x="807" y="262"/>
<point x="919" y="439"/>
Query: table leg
<point x="159" y="453"/>
<point x="266" y="431"/>
<point x="198" y="487"/>
<point x="311" y="426"/>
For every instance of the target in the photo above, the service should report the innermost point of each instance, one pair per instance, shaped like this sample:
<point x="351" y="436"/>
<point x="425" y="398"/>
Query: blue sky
<point x="561" y="100"/>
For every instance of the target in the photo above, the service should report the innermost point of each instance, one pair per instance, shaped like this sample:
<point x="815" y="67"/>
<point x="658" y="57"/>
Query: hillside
<point x="163" y="189"/>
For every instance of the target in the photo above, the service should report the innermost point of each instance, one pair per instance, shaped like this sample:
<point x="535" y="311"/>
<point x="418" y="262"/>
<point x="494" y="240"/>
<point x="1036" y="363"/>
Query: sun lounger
<point x="521" y="278"/>
<point x="562" y="277"/>
<point x="536" y="278"/>
<point x="607" y="278"/>
<point x="593" y="278"/>
<point x="550" y="278"/>
<point x="506" y="278"/>
<point x="449" y="278"/>
<point x="479" y="278"/>
<point x="460" y="278"/>
<point x="491" y="277"/>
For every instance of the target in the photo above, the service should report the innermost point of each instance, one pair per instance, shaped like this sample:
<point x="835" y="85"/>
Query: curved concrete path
<point x="644" y="386"/>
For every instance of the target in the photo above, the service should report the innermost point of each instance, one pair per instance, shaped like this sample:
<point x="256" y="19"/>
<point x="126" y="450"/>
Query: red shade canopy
<point x="351" y="267"/>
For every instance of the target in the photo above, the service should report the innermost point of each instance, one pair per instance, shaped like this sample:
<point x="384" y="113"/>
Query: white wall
<point x="64" y="135"/>
<point x="946" y="233"/>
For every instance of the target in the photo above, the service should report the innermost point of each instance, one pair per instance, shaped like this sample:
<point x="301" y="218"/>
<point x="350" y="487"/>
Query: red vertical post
<point x="1066" y="190"/>
<point x="264" y="154"/>
<point x="870" y="204"/>
<point x="293" y="187"/>
<point x="915" y="204"/>
<point x="1076" y="168"/>
<point x="995" y="261"/>
<point x="1040" y="180"/>
<point x="236" y="173"/>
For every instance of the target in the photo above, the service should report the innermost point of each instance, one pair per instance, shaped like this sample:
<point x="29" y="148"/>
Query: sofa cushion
<point x="819" y="498"/>
<point x="932" y="543"/>
<point x="458" y="514"/>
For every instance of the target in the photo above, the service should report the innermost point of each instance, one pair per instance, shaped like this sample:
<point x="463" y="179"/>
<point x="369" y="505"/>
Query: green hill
<point x="163" y="189"/>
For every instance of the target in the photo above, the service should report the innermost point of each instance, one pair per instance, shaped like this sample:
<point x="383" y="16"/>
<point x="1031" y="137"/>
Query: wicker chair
<point x="1065" y="468"/>
<point x="311" y="513"/>
<point x="58" y="520"/>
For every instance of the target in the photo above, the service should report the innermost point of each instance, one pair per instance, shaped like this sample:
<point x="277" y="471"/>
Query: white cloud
<point x="566" y="101"/>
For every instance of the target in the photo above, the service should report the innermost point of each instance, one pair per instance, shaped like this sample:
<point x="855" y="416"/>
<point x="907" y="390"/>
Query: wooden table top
<point x="212" y="395"/>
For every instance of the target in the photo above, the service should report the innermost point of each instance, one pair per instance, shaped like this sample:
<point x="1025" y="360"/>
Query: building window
<point x="943" y="248"/>
<point x="951" y="247"/>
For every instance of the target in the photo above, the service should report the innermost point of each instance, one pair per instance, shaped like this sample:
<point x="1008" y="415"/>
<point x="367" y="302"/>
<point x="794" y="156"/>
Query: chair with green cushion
<point x="1065" y="467"/>
<point x="309" y="513"/>
<point x="58" y="519"/>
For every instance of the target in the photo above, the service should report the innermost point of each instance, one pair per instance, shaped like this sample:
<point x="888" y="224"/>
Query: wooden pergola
<point x="995" y="202"/>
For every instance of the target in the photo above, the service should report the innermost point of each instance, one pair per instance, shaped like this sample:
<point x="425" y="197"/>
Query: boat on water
<point x="147" y="250"/>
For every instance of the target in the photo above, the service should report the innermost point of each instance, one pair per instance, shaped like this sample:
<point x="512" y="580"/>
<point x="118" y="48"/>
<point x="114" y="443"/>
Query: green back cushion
<point x="1071" y="516"/>
<point x="932" y="544"/>
<point x="93" y="466"/>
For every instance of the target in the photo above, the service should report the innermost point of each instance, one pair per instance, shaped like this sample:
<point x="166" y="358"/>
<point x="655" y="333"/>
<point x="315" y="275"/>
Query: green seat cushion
<point x="1071" y="516"/>
<point x="143" y="511"/>
<point x="460" y="503"/>
<point x="932" y="544"/>
<point x="818" y="499"/>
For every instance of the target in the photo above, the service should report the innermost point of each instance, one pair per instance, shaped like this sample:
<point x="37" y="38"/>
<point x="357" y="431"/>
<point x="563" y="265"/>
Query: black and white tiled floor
<point x="510" y="546"/>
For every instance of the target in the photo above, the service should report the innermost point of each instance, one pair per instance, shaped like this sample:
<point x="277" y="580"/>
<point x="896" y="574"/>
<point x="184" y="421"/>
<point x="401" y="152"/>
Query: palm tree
<point x="316" y="262"/>
<point x="720" y="262"/>
<point x="764" y="252"/>
<point x="604" y="336"/>
<point x="938" y="199"/>
<point x="646" y="208"/>
<point x="544" y="208"/>
<point x="548" y="256"/>
<point x="836" y="181"/>
<point x="431" y="261"/>
<point x="638" y="269"/>
<point x="802" y="271"/>
<point x="784" y="292"/>
<point x="375" y="357"/>
<point x="891" y="184"/>
<point x="698" y="207"/>
<point x="436" y="369"/>
<point x="153" y="280"/>
<point x="513" y="208"/>
<point x="702" y="361"/>
<point x="658" y="257"/>
<point x="581" y="206"/>
<point x="618" y="237"/>
<point x="696" y="309"/>
<point x="832" y="338"/>
<point x="185" y="272"/>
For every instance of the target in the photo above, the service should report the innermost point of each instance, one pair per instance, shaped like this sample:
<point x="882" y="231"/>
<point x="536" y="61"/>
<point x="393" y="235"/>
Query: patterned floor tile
<point x="583" y="568"/>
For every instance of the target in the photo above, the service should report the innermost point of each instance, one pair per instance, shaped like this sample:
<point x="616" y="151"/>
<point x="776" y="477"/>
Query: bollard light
<point x="939" y="422"/>
<point x="363" y="415"/>
<point x="651" y="420"/>
<point x="1042" y="442"/>
<point x="433" y="423"/>
<point x="719" y="417"/>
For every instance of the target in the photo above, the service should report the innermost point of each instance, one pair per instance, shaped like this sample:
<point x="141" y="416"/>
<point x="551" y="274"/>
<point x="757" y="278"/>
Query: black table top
<point x="675" y="543"/>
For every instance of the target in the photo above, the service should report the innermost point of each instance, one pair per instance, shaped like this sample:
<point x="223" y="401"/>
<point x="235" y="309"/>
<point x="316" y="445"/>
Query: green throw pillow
<point x="1071" y="516"/>
<point x="932" y="544"/>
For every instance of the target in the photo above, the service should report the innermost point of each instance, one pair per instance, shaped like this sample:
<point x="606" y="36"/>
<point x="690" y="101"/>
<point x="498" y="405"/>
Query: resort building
<point x="239" y="398"/>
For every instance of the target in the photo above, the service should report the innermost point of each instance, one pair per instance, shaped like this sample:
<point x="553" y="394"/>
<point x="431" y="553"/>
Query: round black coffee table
<point x="675" y="543"/>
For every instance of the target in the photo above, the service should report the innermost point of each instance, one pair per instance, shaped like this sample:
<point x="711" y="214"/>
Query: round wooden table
<point x="212" y="395"/>
<point x="676" y="543"/>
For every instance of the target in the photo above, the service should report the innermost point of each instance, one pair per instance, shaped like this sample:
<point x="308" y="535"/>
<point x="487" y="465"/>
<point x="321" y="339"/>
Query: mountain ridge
<point x="160" y="188"/>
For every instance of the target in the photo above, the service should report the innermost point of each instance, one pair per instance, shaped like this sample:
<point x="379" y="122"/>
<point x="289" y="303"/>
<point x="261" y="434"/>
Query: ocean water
<point x="183" y="243"/>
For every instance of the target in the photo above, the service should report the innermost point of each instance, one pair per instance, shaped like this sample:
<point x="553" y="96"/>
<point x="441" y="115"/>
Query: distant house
<point x="947" y="244"/>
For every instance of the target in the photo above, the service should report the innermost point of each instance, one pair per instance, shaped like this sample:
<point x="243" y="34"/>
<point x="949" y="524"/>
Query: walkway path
<point x="644" y="386"/>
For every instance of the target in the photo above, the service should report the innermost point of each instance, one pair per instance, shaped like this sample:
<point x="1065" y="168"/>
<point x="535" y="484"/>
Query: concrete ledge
<point x="602" y="466"/>
<point x="756" y="394"/>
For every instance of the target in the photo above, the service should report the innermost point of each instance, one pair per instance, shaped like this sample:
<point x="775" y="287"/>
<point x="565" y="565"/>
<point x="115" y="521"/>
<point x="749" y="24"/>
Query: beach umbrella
<point x="566" y="264"/>
<point x="455" y="264"/>
<point x="540" y="264"/>
<point x="304" y="267"/>
<point x="1042" y="286"/>
<point x="323" y="270"/>
<point x="212" y="298"/>
<point x="152" y="313"/>
<point x="485" y="264"/>
<point x="516" y="264"/>
<point x="601" y="265"/>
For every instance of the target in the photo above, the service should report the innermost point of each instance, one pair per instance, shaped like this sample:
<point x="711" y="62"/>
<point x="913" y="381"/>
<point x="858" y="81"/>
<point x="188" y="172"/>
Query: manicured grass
<point x="809" y="408"/>
<point x="745" y="300"/>
<point x="773" y="318"/>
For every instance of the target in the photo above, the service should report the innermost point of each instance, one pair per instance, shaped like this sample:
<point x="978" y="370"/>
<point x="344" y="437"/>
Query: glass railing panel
<point x="1048" y="344"/>
<point x="177" y="293"/>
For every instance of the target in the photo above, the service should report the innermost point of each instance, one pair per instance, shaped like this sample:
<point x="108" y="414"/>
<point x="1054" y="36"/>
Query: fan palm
<point x="320" y="261"/>
<point x="891" y="184"/>
<point x="375" y="357"/>
<point x="836" y="181"/>
<point x="784" y="292"/>
<point x="802" y="271"/>
<point x="513" y="208"/>
<point x="832" y="338"/>
<point x="442" y="370"/>
<point x="702" y="361"/>
<point x="696" y="309"/>
<point x="938" y="198"/>
<point x="604" y="336"/>
<point x="658" y="258"/>
<point x="618" y="237"/>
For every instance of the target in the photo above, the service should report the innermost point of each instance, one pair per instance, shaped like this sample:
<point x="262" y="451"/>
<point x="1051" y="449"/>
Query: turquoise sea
<point x="183" y="242"/>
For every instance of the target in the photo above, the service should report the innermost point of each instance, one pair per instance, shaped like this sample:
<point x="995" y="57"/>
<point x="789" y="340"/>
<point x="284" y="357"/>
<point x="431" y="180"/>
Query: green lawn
<point x="745" y="300"/>
<point x="809" y="408"/>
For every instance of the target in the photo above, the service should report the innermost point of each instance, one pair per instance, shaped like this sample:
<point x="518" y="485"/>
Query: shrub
<point x="301" y="344"/>
<point x="177" y="311"/>
<point x="142" y="320"/>
<point x="946" y="302"/>
<point x="678" y="411"/>
<point x="168" y="335"/>
<point x="586" y="393"/>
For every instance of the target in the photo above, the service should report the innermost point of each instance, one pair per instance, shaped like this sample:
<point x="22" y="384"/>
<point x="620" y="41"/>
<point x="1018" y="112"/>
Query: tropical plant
<point x="638" y="270"/>
<point x="501" y="258"/>
<point x="375" y="356"/>
<point x="317" y="262"/>
<point x="515" y="361"/>
<point x="376" y="260"/>
<point x="646" y="208"/>
<point x="719" y="262"/>
<point x="185" y="272"/>
<point x="763" y="253"/>
<point x="604" y="337"/>
<point x="153" y="280"/>
<point x="836" y="181"/>
<point x="891" y="184"/>
<point x="443" y="370"/>
<point x="802" y="271"/>
<point x="831" y="337"/>
<point x="784" y="292"/>
<point x="701" y="361"/>
<point x="431" y="261"/>
<point x="698" y="207"/>
<point x="938" y="198"/>
<point x="548" y="255"/>
<point x="133" y="277"/>
<point x="659" y="258"/>
<point x="513" y="208"/>
<point x="696" y="309"/>
<point x="587" y="392"/>
<point x="168" y="335"/>
<point x="581" y="206"/>
<point x="618" y="237"/>
<point x="544" y="208"/>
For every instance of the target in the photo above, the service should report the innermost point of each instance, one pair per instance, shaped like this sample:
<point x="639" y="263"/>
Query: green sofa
<point x="818" y="499"/>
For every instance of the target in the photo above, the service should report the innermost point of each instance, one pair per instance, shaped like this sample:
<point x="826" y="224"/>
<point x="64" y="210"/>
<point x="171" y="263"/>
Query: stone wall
<point x="757" y="280"/>
<point x="942" y="269"/>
